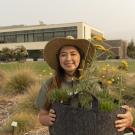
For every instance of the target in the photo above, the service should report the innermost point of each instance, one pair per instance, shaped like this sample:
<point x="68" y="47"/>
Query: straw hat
<point x="52" y="48"/>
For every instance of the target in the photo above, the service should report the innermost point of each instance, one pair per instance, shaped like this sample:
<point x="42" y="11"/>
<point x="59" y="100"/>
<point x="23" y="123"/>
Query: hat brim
<point x="52" y="48"/>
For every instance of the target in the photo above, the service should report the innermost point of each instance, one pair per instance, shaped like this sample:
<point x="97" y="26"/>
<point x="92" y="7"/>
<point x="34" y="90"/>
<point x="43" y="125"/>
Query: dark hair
<point x="59" y="73"/>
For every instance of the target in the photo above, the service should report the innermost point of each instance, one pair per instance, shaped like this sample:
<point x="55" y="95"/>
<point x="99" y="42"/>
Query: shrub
<point x="25" y="122"/>
<point x="3" y="80"/>
<point x="20" y="81"/>
<point x="27" y="104"/>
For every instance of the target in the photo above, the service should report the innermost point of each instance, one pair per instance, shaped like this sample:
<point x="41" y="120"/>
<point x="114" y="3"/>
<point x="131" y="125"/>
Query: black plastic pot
<point x="78" y="121"/>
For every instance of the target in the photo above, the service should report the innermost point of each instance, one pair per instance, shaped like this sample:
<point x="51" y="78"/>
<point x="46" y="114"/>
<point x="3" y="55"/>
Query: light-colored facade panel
<point x="28" y="46"/>
<point x="35" y="27"/>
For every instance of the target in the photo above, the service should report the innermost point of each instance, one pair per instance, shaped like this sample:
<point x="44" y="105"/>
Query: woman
<point x="66" y="57"/>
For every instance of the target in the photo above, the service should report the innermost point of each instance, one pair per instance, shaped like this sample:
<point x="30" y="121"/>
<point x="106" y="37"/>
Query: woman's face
<point x="69" y="59"/>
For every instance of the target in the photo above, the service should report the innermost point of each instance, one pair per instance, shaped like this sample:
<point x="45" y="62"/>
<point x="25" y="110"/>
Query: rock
<point x="5" y="107"/>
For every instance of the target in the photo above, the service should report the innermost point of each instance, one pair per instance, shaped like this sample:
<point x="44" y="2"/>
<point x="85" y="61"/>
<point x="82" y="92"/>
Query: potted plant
<point x="91" y="107"/>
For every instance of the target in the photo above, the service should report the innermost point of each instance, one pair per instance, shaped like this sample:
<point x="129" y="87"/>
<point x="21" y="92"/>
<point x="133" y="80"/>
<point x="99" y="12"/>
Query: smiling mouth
<point x="69" y="64"/>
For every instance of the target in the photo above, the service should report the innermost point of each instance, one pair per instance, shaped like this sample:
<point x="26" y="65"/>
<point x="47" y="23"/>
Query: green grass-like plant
<point x="25" y="122"/>
<point x="107" y="87"/>
<point x="58" y="96"/>
<point x="27" y="103"/>
<point x="24" y="112"/>
<point x="20" y="81"/>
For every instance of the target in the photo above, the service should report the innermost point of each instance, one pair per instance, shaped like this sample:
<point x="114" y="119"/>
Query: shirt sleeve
<point x="40" y="100"/>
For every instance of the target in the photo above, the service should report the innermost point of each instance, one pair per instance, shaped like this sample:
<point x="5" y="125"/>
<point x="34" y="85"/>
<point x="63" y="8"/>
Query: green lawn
<point x="42" y="67"/>
<point x="131" y="64"/>
<point x="38" y="67"/>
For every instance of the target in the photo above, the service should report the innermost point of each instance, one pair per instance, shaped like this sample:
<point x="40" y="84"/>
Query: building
<point x="35" y="37"/>
<point x="119" y="47"/>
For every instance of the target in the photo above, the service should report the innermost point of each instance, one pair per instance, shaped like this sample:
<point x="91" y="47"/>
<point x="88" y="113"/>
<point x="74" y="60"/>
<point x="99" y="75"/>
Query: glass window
<point x="59" y="34"/>
<point x="26" y="37"/>
<point x="38" y="37"/>
<point x="10" y="38"/>
<point x="30" y="37"/>
<point x="1" y="38"/>
<point x="72" y="33"/>
<point x="20" y="38"/>
<point x="48" y="36"/>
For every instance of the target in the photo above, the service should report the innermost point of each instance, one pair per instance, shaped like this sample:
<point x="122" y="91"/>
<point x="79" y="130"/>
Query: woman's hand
<point x="47" y="118"/>
<point x="124" y="120"/>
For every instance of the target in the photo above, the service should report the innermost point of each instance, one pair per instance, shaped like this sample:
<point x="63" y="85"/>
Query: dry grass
<point x="130" y="92"/>
<point x="20" y="81"/>
<point x="25" y="122"/>
<point x="131" y="81"/>
<point x="3" y="80"/>
<point x="25" y="112"/>
<point x="27" y="103"/>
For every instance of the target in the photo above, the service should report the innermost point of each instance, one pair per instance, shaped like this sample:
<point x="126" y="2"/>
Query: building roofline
<point x="22" y="27"/>
<point x="37" y="25"/>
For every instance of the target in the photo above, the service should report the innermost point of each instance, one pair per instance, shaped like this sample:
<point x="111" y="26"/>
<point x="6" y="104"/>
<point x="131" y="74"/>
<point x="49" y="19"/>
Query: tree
<point x="20" y="53"/>
<point x="6" y="54"/>
<point x="131" y="49"/>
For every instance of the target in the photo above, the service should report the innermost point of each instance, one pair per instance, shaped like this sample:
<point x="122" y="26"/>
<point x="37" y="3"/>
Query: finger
<point x="126" y="107"/>
<point x="121" y="129"/>
<point x="52" y="115"/>
<point x="51" y="123"/>
<point x="120" y="125"/>
<point x="52" y="111"/>
<point x="120" y="121"/>
<point x="52" y="119"/>
<point x="122" y="115"/>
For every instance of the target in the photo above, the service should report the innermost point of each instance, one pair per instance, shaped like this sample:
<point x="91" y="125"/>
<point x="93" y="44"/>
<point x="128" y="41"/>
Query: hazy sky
<point x="116" y="18"/>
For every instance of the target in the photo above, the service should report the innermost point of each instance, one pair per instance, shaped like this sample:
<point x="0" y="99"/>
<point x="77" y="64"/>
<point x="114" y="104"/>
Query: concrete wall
<point x="28" y="45"/>
<point x="120" y="47"/>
